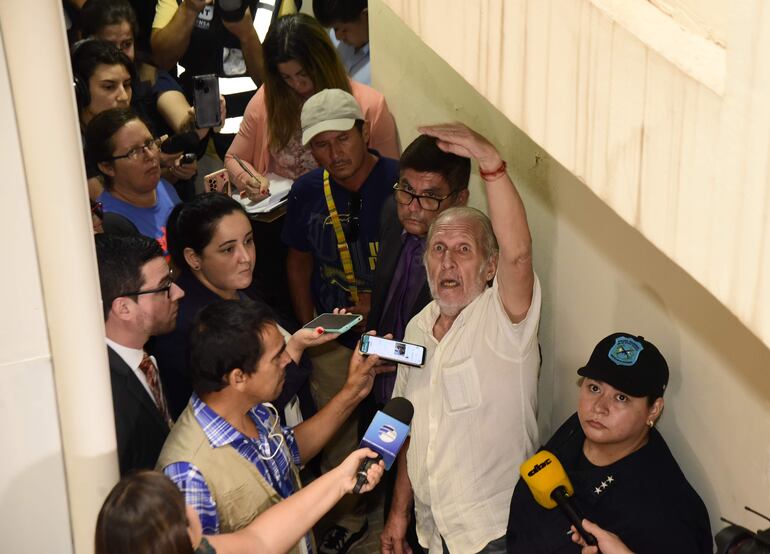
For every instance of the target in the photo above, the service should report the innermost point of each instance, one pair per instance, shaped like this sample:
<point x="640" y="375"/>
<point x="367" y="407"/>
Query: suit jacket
<point x="391" y="244"/>
<point x="139" y="425"/>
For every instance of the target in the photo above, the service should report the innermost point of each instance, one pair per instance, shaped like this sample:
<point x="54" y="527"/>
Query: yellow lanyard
<point x="342" y="244"/>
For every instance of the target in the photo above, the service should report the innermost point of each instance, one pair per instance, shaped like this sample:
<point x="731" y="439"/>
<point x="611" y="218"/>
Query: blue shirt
<point x="276" y="471"/>
<point x="150" y="222"/>
<point x="308" y="228"/>
<point x="355" y="60"/>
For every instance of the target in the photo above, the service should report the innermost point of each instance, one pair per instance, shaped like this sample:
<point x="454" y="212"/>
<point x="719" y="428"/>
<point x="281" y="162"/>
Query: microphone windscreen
<point x="399" y="408"/>
<point x="183" y="142"/>
<point x="543" y="473"/>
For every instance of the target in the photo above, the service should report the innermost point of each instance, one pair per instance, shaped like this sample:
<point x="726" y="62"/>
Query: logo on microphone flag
<point x="385" y="436"/>
<point x="387" y="433"/>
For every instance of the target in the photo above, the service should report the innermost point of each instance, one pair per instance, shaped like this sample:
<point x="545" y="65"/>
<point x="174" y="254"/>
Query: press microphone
<point x="385" y="435"/>
<point x="183" y="142"/>
<point x="232" y="10"/>
<point x="550" y="486"/>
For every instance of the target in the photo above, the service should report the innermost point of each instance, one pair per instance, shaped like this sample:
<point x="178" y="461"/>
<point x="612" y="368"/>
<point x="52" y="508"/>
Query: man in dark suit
<point x="430" y="181"/>
<point x="139" y="299"/>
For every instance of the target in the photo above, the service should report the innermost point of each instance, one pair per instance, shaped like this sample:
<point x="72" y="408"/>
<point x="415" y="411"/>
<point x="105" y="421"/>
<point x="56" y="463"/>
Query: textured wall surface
<point x="600" y="274"/>
<point x="666" y="126"/>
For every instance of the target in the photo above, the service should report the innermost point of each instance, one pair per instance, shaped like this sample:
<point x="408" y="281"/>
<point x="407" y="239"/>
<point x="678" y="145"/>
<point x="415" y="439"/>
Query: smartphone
<point x="218" y="181"/>
<point x="206" y="101"/>
<point x="393" y="350"/>
<point x="334" y="323"/>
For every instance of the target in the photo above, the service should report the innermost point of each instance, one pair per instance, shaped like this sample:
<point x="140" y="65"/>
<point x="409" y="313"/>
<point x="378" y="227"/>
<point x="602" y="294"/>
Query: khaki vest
<point x="239" y="490"/>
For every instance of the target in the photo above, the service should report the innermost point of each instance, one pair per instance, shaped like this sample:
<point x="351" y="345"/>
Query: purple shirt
<point x="408" y="280"/>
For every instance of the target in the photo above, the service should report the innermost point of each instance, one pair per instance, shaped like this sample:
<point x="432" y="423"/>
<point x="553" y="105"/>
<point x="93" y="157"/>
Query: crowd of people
<point x="225" y="401"/>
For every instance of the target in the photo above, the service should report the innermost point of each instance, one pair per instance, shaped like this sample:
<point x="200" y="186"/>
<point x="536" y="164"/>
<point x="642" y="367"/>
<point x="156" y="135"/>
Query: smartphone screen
<point x="334" y="323"/>
<point x="206" y="100"/>
<point x="394" y="350"/>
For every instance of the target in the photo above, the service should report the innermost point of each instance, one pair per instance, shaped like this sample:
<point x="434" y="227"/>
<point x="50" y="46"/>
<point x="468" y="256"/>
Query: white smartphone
<point x="334" y="323"/>
<point x="393" y="350"/>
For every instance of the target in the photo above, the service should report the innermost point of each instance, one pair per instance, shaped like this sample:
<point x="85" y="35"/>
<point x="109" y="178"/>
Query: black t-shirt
<point x="644" y="498"/>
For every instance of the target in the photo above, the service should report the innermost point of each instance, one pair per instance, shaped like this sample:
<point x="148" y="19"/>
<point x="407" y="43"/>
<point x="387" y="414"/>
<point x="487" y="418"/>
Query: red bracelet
<point x="496" y="174"/>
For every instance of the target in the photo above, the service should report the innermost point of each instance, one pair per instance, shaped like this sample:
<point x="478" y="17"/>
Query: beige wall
<point x="668" y="127"/>
<point x="58" y="454"/>
<point x="600" y="275"/>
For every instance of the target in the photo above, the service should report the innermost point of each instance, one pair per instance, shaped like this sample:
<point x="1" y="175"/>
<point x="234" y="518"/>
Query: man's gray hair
<point x="487" y="241"/>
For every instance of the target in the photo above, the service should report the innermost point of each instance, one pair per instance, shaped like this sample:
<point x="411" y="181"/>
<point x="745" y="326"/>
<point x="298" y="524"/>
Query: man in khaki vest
<point x="228" y="452"/>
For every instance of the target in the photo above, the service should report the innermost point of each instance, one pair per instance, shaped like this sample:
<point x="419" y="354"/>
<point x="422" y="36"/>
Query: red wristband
<point x="496" y="174"/>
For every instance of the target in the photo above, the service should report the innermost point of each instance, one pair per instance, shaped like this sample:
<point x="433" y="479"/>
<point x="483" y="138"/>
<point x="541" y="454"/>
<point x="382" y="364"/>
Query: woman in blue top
<point x="127" y="156"/>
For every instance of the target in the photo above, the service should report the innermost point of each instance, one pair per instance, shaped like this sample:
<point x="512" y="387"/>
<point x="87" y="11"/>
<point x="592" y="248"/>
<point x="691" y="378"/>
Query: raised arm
<point x="170" y="38"/>
<point x="515" y="275"/>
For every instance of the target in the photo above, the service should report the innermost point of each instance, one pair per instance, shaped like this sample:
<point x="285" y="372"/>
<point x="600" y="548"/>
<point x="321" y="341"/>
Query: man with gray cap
<point x="332" y="234"/>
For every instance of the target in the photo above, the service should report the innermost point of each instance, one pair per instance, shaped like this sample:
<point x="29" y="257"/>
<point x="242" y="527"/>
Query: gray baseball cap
<point x="331" y="109"/>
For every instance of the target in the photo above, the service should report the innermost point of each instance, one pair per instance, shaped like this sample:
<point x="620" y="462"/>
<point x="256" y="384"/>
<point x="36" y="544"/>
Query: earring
<point x="650" y="423"/>
<point x="195" y="267"/>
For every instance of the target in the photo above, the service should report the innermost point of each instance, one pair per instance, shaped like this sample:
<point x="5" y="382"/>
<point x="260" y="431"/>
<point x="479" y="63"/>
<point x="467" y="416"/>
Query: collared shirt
<point x="277" y="470"/>
<point x="133" y="357"/>
<point x="356" y="60"/>
<point x="474" y="422"/>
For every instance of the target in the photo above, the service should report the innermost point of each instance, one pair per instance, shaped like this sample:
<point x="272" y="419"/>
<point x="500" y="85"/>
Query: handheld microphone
<point x="232" y="10"/>
<point x="385" y="435"/>
<point x="183" y="142"/>
<point x="550" y="486"/>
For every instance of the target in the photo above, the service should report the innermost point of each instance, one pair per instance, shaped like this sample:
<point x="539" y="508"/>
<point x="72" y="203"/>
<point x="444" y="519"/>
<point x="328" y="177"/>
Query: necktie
<point x="151" y="374"/>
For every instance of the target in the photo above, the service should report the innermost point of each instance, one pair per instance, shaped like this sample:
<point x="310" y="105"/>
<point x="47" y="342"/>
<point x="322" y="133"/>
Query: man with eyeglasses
<point x="331" y="230"/>
<point x="140" y="300"/>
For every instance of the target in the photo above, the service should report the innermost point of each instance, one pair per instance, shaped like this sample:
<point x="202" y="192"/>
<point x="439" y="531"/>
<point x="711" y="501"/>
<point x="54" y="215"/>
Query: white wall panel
<point x="660" y="109"/>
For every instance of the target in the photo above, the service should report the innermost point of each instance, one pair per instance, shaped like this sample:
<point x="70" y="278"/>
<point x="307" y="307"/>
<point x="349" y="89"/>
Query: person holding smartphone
<point x="228" y="452"/>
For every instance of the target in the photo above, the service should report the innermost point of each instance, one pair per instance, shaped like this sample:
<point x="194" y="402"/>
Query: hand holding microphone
<point x="610" y="543"/>
<point x="385" y="436"/>
<point x="550" y="486"/>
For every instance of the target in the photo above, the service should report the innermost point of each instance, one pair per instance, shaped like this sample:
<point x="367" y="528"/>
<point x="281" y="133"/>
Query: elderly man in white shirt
<point x="475" y="398"/>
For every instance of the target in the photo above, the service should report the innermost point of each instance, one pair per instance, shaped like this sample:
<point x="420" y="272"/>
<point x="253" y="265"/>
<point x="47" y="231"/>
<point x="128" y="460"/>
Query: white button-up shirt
<point x="475" y="407"/>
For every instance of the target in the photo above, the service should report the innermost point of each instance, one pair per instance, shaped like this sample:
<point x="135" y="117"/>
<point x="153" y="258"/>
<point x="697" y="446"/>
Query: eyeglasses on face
<point x="150" y="146"/>
<point x="165" y="288"/>
<point x="428" y="203"/>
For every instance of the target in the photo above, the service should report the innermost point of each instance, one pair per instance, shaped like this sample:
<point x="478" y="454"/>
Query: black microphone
<point x="183" y="142"/>
<point x="232" y="10"/>
<point x="385" y="435"/>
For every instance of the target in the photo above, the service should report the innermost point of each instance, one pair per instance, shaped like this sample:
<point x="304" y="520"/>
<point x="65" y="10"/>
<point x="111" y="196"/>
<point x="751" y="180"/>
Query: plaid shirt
<point x="277" y="471"/>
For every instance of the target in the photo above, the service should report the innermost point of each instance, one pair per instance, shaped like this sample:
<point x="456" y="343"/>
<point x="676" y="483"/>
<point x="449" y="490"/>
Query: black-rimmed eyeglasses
<point x="428" y="203"/>
<point x="164" y="288"/>
<point x="150" y="146"/>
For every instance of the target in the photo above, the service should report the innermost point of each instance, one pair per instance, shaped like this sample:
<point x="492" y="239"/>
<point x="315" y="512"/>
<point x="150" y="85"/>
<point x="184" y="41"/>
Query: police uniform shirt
<point x="644" y="498"/>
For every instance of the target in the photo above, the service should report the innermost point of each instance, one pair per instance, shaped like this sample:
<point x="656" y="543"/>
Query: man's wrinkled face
<point x="458" y="269"/>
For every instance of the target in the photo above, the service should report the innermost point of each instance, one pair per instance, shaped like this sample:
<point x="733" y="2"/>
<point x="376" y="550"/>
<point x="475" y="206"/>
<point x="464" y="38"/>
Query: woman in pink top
<point x="300" y="60"/>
